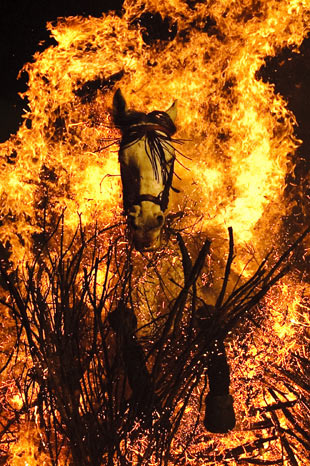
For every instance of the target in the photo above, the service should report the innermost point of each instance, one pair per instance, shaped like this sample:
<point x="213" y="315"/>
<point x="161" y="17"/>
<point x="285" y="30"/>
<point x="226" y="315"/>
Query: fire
<point x="237" y="140"/>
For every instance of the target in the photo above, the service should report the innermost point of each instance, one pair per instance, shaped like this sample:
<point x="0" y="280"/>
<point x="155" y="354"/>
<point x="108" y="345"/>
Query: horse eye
<point x="132" y="224"/>
<point x="160" y="219"/>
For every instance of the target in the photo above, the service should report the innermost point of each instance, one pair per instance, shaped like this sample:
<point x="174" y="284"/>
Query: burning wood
<point x="102" y="392"/>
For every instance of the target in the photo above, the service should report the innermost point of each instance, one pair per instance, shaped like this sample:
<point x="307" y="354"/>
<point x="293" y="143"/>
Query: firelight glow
<point x="237" y="138"/>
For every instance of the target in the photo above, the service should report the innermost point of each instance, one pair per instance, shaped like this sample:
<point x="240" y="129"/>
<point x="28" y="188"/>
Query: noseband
<point x="150" y="198"/>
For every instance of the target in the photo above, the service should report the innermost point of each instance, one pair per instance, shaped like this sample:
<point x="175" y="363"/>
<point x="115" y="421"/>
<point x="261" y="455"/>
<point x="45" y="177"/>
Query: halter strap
<point x="145" y="127"/>
<point x="150" y="198"/>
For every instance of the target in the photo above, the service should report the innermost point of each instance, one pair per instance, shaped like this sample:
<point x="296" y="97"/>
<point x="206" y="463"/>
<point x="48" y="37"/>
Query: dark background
<point x="22" y="28"/>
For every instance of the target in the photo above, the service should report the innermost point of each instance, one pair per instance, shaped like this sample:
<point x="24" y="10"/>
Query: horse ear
<point x="119" y="103"/>
<point x="172" y="111"/>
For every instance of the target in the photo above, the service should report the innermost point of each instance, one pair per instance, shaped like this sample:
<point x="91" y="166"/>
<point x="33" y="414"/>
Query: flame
<point x="26" y="450"/>
<point x="237" y="136"/>
<point x="240" y="133"/>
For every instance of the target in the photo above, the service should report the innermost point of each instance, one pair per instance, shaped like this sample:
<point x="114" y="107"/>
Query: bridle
<point x="146" y="127"/>
<point x="150" y="198"/>
<point x="136" y="131"/>
<point x="130" y="136"/>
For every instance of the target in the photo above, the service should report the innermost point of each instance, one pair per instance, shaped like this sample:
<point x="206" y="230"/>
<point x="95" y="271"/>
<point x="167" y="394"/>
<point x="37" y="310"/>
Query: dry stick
<point x="199" y="264"/>
<point x="276" y="406"/>
<point x="242" y="299"/>
<point x="227" y="269"/>
<point x="260" y="278"/>
<point x="186" y="260"/>
<point x="293" y="377"/>
<point x="191" y="436"/>
<point x="19" y="330"/>
<point x="21" y="312"/>
<point x="260" y="462"/>
<point x="178" y="306"/>
<point x="261" y="275"/>
<point x="234" y="453"/>
<point x="234" y="315"/>
<point x="282" y="437"/>
<point x="186" y="267"/>
<point x="244" y="293"/>
<point x="247" y="286"/>
<point x="288" y="251"/>
<point x="180" y="383"/>
<point x="264" y="279"/>
<point x="68" y="276"/>
<point x="301" y="441"/>
<point x="299" y="429"/>
<point x="178" y="309"/>
<point x="289" y="415"/>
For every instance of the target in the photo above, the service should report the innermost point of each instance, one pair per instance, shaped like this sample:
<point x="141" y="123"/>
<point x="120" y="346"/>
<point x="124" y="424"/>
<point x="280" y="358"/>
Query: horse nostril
<point x="131" y="222"/>
<point x="160" y="219"/>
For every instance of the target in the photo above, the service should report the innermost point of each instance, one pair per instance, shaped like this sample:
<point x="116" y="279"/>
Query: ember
<point x="107" y="353"/>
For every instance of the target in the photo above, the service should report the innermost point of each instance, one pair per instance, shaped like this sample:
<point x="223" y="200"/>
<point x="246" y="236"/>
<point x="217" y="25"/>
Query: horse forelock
<point x="163" y="120"/>
<point x="157" y="128"/>
<point x="125" y="120"/>
<point x="132" y="118"/>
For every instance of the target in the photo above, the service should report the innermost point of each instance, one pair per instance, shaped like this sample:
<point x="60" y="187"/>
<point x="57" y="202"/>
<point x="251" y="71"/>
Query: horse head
<point x="146" y="159"/>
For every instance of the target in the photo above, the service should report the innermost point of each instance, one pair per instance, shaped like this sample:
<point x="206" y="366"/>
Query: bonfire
<point x="195" y="352"/>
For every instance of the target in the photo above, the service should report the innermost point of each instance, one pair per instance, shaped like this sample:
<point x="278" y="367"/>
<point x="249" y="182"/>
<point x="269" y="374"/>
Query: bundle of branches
<point x="110" y="396"/>
<point x="284" y="420"/>
<point x="290" y="409"/>
<point x="61" y="318"/>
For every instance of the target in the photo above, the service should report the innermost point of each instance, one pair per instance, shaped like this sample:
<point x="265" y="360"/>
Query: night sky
<point x="22" y="28"/>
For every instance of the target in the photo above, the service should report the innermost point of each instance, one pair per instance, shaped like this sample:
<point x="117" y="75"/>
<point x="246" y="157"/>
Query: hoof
<point x="219" y="414"/>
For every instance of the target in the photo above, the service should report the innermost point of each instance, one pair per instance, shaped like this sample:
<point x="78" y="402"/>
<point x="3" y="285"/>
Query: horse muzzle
<point x="146" y="229"/>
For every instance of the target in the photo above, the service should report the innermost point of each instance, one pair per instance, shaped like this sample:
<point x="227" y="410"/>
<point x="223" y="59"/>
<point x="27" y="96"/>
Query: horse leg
<point x="143" y="399"/>
<point x="219" y="412"/>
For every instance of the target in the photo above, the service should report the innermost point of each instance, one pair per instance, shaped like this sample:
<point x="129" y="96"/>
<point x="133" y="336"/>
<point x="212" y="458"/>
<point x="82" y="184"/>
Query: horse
<point x="146" y="157"/>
